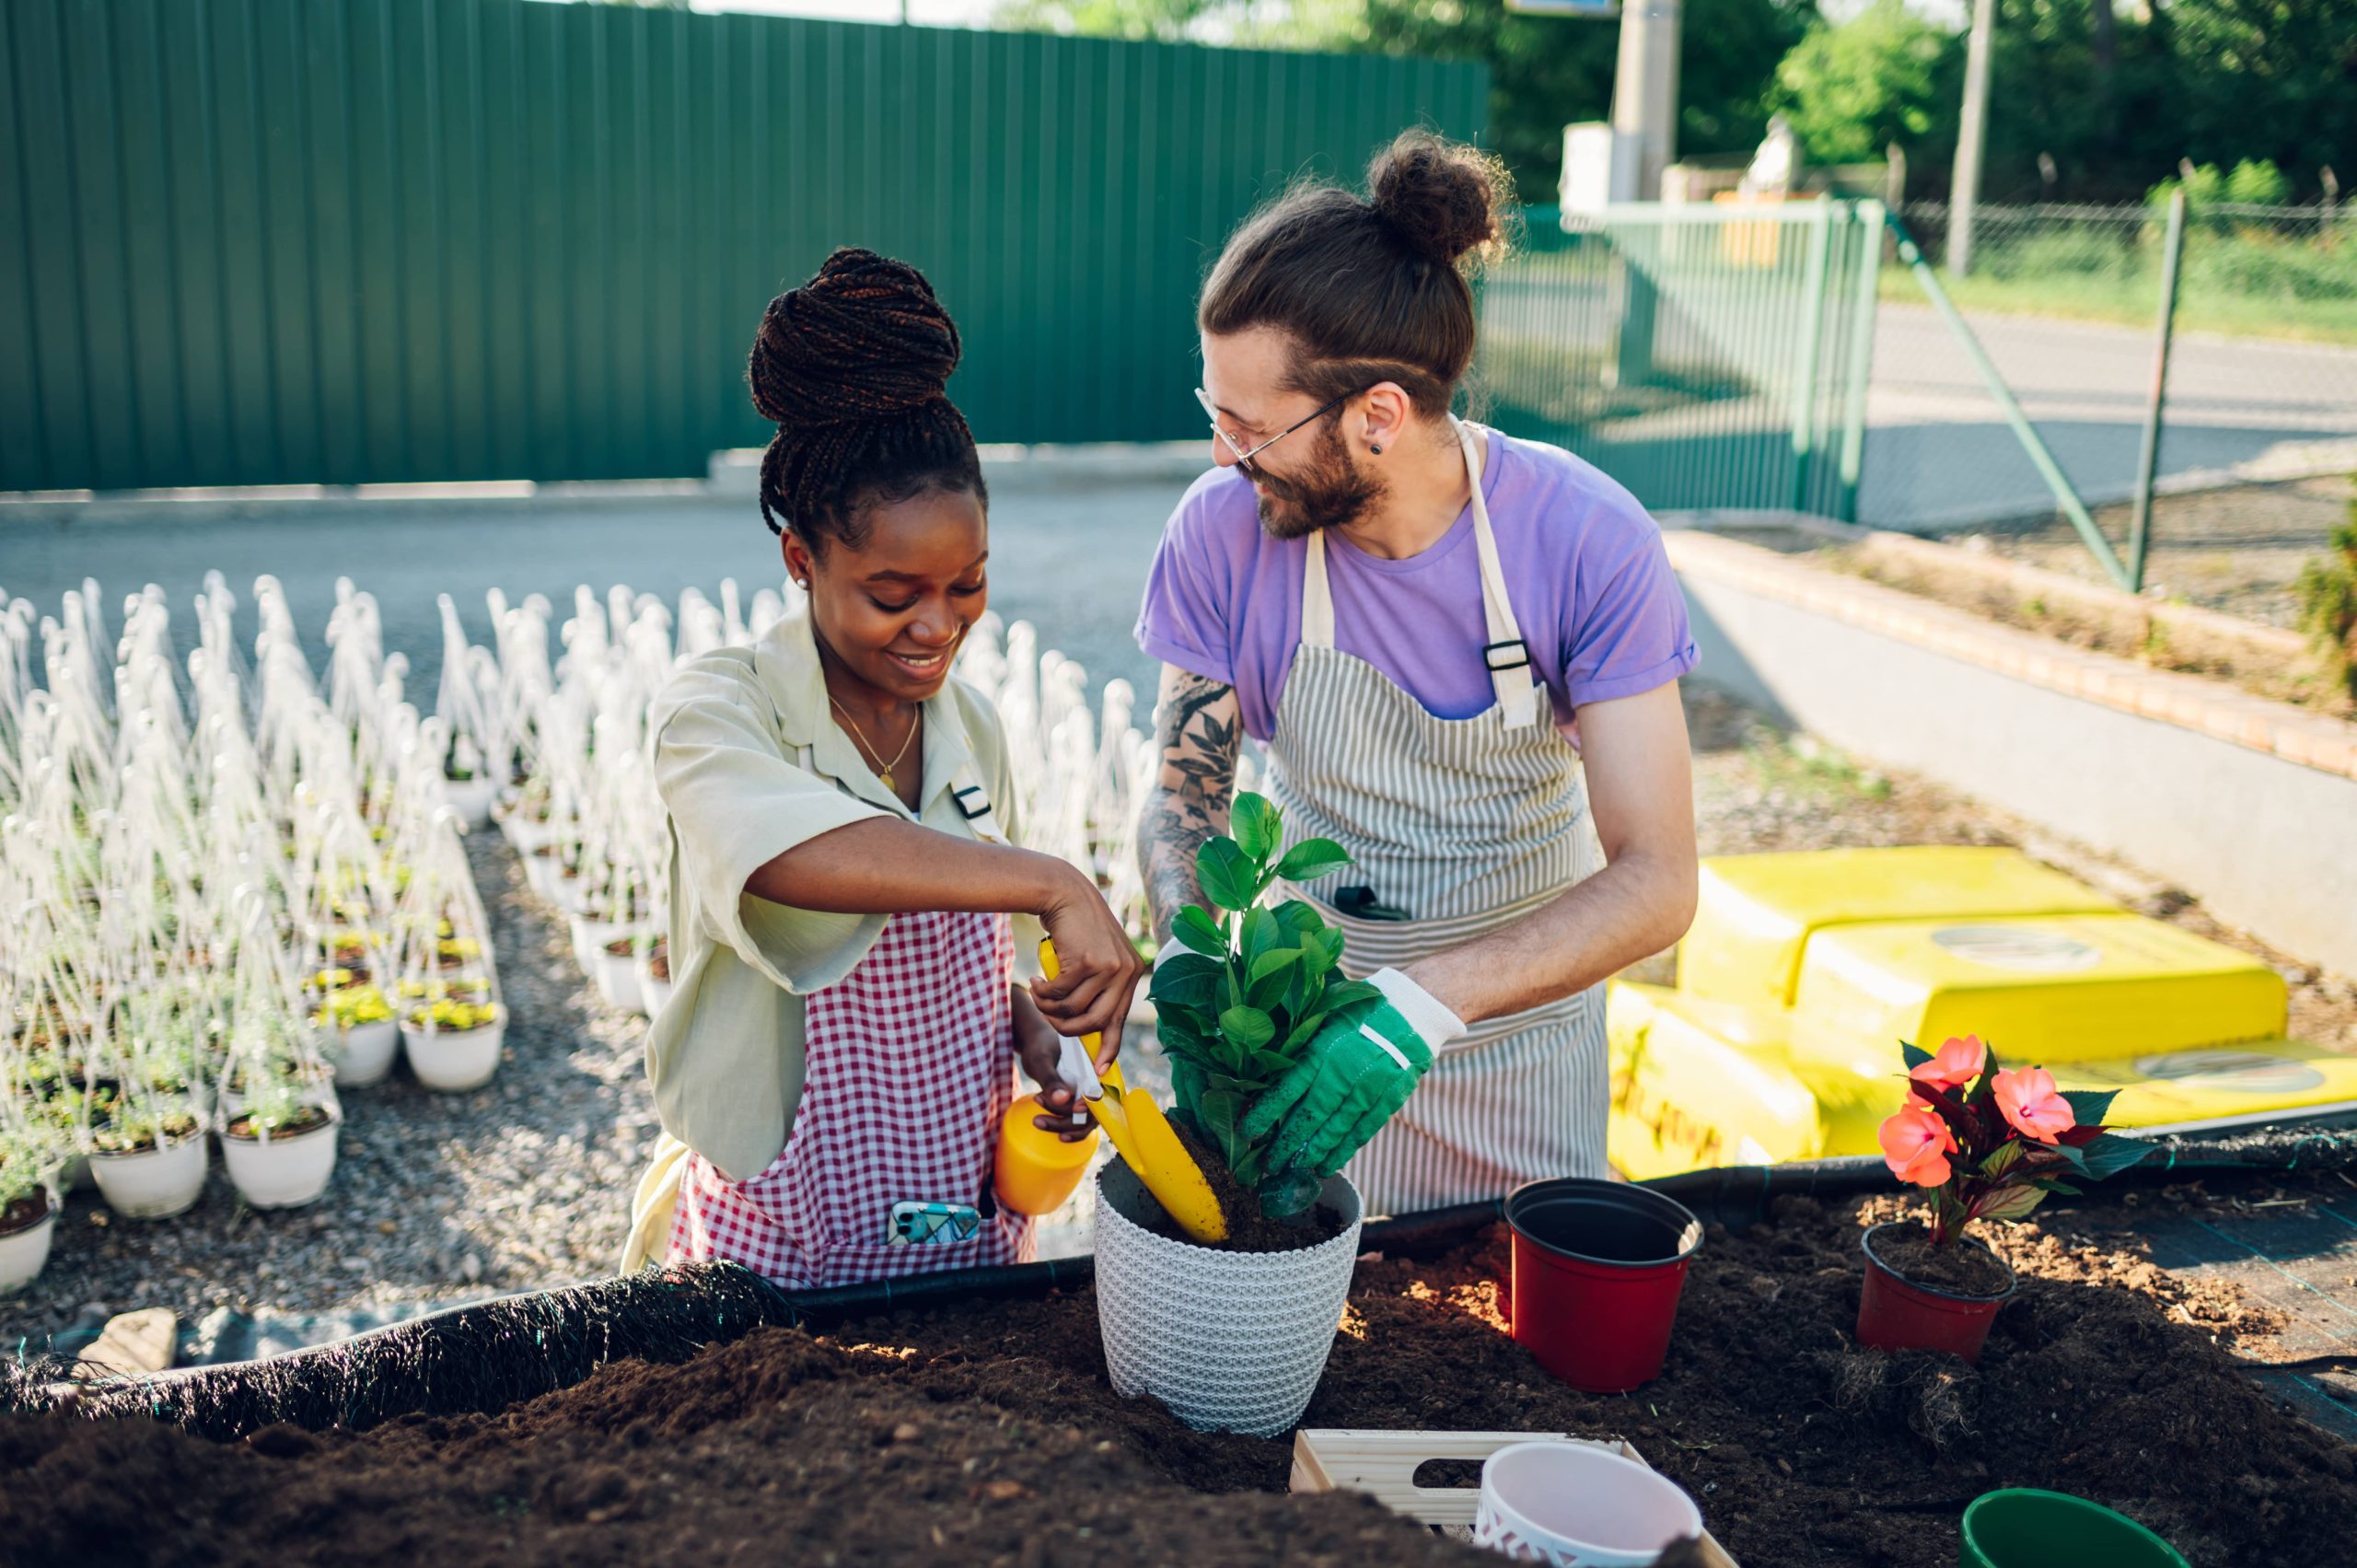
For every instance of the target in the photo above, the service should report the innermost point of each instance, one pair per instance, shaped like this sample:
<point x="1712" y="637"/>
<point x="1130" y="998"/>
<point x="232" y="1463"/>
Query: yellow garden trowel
<point x="1141" y="1133"/>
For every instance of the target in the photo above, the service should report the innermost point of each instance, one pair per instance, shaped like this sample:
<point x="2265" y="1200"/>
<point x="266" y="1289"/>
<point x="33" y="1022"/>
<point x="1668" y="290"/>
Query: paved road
<point x="1936" y="446"/>
<point x="1070" y="559"/>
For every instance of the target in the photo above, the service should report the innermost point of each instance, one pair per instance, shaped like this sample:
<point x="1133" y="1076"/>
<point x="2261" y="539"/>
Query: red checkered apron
<point x="910" y="1069"/>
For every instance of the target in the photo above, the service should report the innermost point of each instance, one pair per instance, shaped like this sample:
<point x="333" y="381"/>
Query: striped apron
<point x="1467" y="826"/>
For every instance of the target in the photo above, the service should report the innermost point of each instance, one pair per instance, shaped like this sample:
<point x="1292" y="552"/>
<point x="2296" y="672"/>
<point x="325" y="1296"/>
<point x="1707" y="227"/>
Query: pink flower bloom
<point x="1957" y="1063"/>
<point x="2028" y="1096"/>
<point x="1916" y="1145"/>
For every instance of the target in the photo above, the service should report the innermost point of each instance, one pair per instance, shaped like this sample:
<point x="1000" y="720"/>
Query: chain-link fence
<point x="2259" y="430"/>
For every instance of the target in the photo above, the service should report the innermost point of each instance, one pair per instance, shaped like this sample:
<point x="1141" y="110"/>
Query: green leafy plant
<point x="2328" y="594"/>
<point x="454" y="1016"/>
<point x="26" y="1161"/>
<point x="275" y="1107"/>
<point x="357" y="1004"/>
<point x="1254" y="985"/>
<point x="148" y="1127"/>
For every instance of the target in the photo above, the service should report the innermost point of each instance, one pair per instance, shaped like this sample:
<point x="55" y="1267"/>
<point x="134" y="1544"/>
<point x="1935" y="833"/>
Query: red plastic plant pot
<point x="1597" y="1268"/>
<point x="1895" y="1313"/>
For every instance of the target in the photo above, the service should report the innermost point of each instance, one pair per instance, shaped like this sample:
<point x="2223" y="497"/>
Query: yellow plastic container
<point x="1687" y="1093"/>
<point x="1035" y="1171"/>
<point x="2218" y="1085"/>
<point x="1756" y="912"/>
<point x="2063" y="988"/>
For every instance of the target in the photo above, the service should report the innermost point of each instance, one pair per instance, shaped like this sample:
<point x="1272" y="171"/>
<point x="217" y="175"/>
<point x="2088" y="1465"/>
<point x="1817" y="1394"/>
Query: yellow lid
<point x="1036" y="1171"/>
<point x="2041" y="990"/>
<point x="1756" y="912"/>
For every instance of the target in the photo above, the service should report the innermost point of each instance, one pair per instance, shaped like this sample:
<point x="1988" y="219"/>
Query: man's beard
<point x="1327" y="493"/>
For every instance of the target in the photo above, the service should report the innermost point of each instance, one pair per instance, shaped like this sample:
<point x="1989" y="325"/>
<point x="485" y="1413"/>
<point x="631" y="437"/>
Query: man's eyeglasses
<point x="1243" y="457"/>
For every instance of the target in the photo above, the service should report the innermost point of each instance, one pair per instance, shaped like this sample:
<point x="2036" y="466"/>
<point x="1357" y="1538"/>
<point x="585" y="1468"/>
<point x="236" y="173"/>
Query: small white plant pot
<point x="590" y="935"/>
<point x="524" y="833"/>
<point x="364" y="1054"/>
<point x="471" y="797"/>
<point x="24" y="1252"/>
<point x="453" y="1061"/>
<point x="283" y="1173"/>
<point x="155" y="1184"/>
<point x="541" y="875"/>
<point x="652" y="993"/>
<point x="1229" y="1341"/>
<point x="618" y="982"/>
<point x="1578" y="1505"/>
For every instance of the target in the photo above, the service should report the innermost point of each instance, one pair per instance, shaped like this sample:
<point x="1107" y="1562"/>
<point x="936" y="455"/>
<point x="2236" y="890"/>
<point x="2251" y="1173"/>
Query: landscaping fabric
<point x="991" y="1436"/>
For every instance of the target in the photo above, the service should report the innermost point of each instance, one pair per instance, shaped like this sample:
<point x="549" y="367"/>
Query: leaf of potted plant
<point x="281" y="1143"/>
<point x="28" y="1206"/>
<point x="1234" y="1337"/>
<point x="1985" y="1142"/>
<point x="150" y="1161"/>
<point x="453" y="1044"/>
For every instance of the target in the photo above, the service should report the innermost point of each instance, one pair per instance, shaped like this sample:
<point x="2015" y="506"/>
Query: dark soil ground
<point x="991" y="1436"/>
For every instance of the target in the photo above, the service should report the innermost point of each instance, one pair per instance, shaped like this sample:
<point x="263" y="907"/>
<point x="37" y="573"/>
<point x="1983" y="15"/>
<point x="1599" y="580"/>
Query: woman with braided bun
<point x="840" y="1051"/>
<point x="1462" y="652"/>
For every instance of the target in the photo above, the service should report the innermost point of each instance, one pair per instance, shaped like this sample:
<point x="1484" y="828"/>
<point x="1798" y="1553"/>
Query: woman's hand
<point x="1097" y="969"/>
<point x="1039" y="1045"/>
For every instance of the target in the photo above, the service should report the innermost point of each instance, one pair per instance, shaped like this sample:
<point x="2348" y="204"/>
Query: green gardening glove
<point x="1352" y="1078"/>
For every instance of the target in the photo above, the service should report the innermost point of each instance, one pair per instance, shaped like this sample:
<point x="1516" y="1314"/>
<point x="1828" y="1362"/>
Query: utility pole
<point x="1644" y="88"/>
<point x="1972" y="137"/>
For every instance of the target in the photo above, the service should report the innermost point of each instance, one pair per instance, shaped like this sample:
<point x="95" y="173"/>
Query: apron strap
<point x="1317" y="597"/>
<point x="1508" y="657"/>
<point x="1512" y="674"/>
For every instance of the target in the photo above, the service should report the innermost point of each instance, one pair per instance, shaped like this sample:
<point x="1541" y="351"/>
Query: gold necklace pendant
<point x="883" y="769"/>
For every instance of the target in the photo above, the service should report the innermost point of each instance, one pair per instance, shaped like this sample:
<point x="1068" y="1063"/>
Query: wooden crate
<point x="1382" y="1465"/>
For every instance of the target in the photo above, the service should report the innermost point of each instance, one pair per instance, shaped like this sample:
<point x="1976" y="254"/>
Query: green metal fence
<point x="1701" y="355"/>
<point x="256" y="241"/>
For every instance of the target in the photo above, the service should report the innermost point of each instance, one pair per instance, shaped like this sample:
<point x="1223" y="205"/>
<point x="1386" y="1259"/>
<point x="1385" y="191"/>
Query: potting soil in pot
<point x="990" y="1435"/>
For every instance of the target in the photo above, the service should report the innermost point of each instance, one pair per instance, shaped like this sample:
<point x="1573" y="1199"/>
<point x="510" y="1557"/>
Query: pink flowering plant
<point x="1988" y="1142"/>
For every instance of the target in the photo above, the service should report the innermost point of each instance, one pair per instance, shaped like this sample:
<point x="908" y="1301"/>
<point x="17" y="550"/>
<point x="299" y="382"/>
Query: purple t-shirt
<point x="1584" y="568"/>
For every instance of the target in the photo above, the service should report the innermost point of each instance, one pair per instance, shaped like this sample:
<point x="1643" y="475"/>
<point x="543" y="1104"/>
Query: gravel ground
<point x="2233" y="551"/>
<point x="525" y="1184"/>
<point x="437" y="1198"/>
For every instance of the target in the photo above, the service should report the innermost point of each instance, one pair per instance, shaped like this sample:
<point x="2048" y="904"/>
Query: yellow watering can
<point x="1037" y="1170"/>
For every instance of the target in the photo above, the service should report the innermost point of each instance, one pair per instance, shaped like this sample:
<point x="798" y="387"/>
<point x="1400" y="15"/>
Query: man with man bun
<point x="1461" y="651"/>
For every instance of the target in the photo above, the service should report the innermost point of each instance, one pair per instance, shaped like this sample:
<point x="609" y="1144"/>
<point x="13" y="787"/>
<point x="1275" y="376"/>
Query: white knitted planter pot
<point x="364" y="1054"/>
<point x="1229" y="1341"/>
<point x="24" y="1253"/>
<point x="283" y="1173"/>
<point x="155" y="1184"/>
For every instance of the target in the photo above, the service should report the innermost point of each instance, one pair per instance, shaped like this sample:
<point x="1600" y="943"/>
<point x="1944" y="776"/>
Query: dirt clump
<point x="1962" y="1268"/>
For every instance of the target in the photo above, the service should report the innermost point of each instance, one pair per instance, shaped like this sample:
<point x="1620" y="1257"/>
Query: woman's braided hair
<point x="853" y="367"/>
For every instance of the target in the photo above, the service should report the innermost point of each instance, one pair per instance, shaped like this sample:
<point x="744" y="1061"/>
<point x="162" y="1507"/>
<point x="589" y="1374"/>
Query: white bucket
<point x="24" y="1253"/>
<point x="471" y="797"/>
<point x="618" y="982"/>
<point x="453" y="1061"/>
<point x="364" y="1054"/>
<point x="652" y="993"/>
<point x="154" y="1184"/>
<point x="284" y="1173"/>
<point x="1578" y="1505"/>
<point x="1229" y="1341"/>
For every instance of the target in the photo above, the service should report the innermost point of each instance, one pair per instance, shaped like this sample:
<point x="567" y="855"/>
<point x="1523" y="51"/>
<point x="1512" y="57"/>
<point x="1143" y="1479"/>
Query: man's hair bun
<point x="1443" y="198"/>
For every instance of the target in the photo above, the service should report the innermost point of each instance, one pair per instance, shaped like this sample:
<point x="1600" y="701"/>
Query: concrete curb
<point x="738" y="471"/>
<point x="2249" y="804"/>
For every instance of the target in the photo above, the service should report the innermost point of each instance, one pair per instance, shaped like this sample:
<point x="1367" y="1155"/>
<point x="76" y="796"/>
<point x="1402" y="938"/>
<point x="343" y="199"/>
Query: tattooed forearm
<point x="1197" y="726"/>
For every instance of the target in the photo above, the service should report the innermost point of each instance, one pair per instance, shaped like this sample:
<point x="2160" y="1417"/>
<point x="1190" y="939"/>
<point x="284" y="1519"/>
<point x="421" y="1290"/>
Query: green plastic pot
<point x="2021" y="1527"/>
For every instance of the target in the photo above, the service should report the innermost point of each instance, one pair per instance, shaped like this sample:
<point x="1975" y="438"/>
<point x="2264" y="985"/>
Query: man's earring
<point x="1377" y="448"/>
